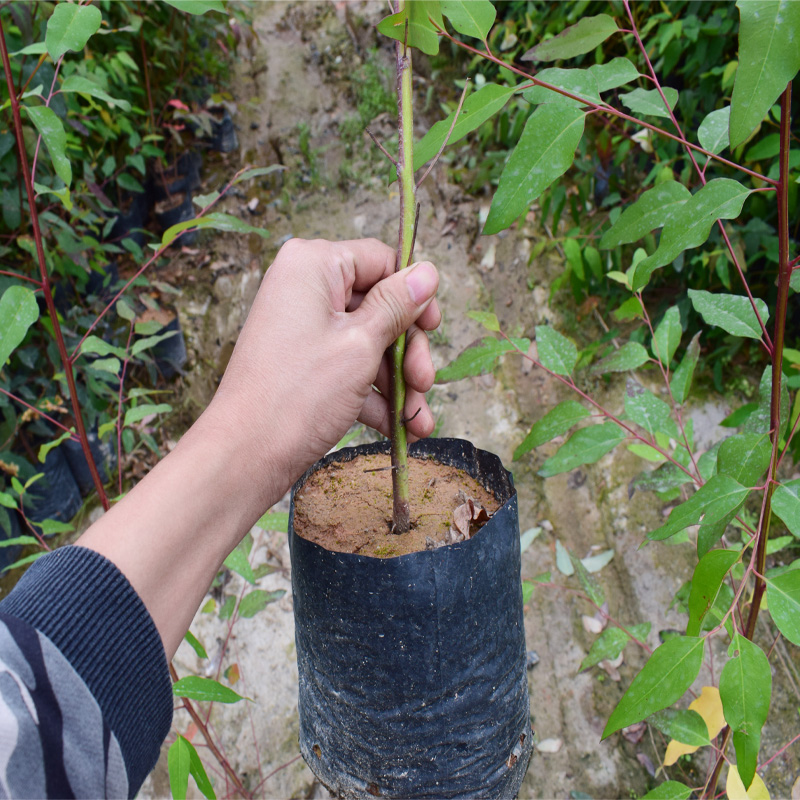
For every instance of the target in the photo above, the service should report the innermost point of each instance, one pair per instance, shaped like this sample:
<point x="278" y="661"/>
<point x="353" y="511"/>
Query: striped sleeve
<point x="85" y="695"/>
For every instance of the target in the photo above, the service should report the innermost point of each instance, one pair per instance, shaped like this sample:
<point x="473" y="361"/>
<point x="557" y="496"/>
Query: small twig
<point x="380" y="146"/>
<point x="380" y="469"/>
<point x="446" y="138"/>
<point x="406" y="421"/>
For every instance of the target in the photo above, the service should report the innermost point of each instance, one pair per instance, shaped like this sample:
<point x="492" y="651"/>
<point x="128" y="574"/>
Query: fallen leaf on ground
<point x="549" y="745"/>
<point x="634" y="733"/>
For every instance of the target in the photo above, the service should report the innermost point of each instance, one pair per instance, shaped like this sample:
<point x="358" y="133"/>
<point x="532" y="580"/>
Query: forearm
<point x="171" y="533"/>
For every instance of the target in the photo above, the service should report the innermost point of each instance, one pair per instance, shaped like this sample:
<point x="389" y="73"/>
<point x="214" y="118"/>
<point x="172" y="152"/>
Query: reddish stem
<point x="45" y="277"/>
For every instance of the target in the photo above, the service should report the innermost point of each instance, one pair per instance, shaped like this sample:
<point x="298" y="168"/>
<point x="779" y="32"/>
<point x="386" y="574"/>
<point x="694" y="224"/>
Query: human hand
<point x="313" y="348"/>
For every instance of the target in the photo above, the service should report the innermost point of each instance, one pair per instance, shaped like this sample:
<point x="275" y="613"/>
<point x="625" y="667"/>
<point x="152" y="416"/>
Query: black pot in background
<point x="104" y="457"/>
<point x="129" y="224"/>
<point x="177" y="209"/>
<point x="56" y="495"/>
<point x="182" y="176"/>
<point x="170" y="355"/>
<point x="223" y="138"/>
<point x="412" y="669"/>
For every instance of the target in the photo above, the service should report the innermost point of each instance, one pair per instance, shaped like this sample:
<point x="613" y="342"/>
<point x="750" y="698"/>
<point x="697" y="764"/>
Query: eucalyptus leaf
<point x="669" y="790"/>
<point x="783" y="598"/>
<point x="579" y="82"/>
<point x="630" y="356"/>
<point x="745" y="688"/>
<point x="477" y="108"/>
<point x="733" y="313"/>
<point x="710" y="503"/>
<point x="786" y="505"/>
<point x="644" y="408"/>
<point x="744" y="457"/>
<point x="545" y="151"/>
<point x="480" y="359"/>
<point x="681" y="381"/>
<point x="80" y="85"/>
<point x="708" y="576"/>
<point x="577" y="39"/>
<point x="69" y="28"/>
<point x="554" y="423"/>
<point x="682" y="725"/>
<point x="614" y="73"/>
<point x="556" y="352"/>
<point x="18" y="311"/>
<point x="585" y="446"/>
<point x="52" y="129"/>
<point x="649" y="102"/>
<point x="471" y="17"/>
<point x="769" y="57"/>
<point x="713" y="130"/>
<point x="690" y="226"/>
<point x="421" y="32"/>
<point x="669" y="672"/>
<point x="667" y="336"/>
<point x="197" y="7"/>
<point x="258" y="600"/>
<point x="205" y="690"/>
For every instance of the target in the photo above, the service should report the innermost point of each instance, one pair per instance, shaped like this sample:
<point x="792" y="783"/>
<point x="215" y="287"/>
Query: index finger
<point x="365" y="261"/>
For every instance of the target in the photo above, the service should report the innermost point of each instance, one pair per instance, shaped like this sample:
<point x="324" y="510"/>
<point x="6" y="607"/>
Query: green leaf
<point x="713" y="130"/>
<point x="606" y="647"/>
<point x="52" y="130"/>
<point x="596" y="562"/>
<point x="487" y="319"/>
<point x="150" y="341"/>
<point x="649" y="102"/>
<point x="575" y="40"/>
<point x="477" y="108"/>
<point x="629" y="356"/>
<point x="138" y="413"/>
<point x="739" y="416"/>
<point x="733" y="313"/>
<point x="556" y="352"/>
<point x="129" y="183"/>
<point x="421" y="33"/>
<point x="94" y="345"/>
<point x="197" y="6"/>
<point x="257" y="600"/>
<point x="480" y="359"/>
<point x="768" y="147"/>
<point x="711" y="502"/>
<point x="669" y="790"/>
<point x="589" y="584"/>
<point x="681" y="381"/>
<point x="69" y="28"/>
<point x="238" y="562"/>
<point x="80" y="85"/>
<point x="218" y="221"/>
<point x="62" y="194"/>
<point x="178" y="767"/>
<point x="8" y="501"/>
<point x="708" y="576"/>
<point x="48" y="446"/>
<point x="682" y="725"/>
<point x="274" y="521"/>
<point x="745" y="688"/>
<point x="545" y="151"/>
<point x="783" y="599"/>
<point x="667" y="336"/>
<point x="18" y="311"/>
<point x="614" y="73"/>
<point x="52" y="526"/>
<point x="554" y="423"/>
<point x="690" y="225"/>
<point x="644" y="408"/>
<point x="786" y="505"/>
<point x="473" y="18"/>
<point x="195" y="644"/>
<point x="585" y="446"/>
<point x="23" y="561"/>
<point x="205" y="690"/>
<point x="759" y="421"/>
<point x="668" y="673"/>
<point x="744" y="457"/>
<point x="563" y="560"/>
<point x="769" y="57"/>
<point x="256" y="172"/>
<point x="579" y="82"/>
<point x="654" y="209"/>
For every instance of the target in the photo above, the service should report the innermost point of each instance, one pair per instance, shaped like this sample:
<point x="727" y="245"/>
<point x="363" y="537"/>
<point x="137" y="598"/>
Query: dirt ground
<point x="298" y="73"/>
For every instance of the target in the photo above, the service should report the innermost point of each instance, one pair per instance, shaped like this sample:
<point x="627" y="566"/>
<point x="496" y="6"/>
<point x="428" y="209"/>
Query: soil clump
<point x="346" y="507"/>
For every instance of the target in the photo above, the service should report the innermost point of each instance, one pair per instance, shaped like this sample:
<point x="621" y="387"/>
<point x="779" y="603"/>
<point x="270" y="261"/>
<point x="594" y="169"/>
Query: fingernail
<point x="421" y="280"/>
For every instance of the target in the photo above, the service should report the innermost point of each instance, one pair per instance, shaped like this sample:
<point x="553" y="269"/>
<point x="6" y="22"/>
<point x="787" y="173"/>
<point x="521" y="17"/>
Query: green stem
<point x="405" y="176"/>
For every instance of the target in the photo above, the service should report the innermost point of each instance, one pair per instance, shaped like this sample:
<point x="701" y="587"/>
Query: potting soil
<point x="346" y="507"/>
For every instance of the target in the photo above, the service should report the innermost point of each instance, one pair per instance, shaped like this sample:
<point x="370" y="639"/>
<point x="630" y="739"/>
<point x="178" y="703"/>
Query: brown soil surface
<point x="347" y="509"/>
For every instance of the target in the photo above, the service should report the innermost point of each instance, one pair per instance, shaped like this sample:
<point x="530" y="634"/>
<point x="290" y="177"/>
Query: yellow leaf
<point x="736" y="791"/>
<point x="709" y="707"/>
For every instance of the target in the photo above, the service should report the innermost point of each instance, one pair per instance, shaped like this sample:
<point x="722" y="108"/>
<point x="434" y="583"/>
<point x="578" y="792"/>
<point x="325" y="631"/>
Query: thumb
<point x="394" y="303"/>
